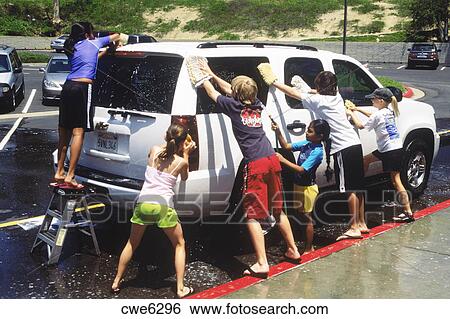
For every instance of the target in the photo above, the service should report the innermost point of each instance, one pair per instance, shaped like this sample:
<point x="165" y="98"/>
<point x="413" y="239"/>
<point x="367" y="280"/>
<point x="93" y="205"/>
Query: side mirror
<point x="42" y="70"/>
<point x="397" y="92"/>
<point x="18" y="70"/>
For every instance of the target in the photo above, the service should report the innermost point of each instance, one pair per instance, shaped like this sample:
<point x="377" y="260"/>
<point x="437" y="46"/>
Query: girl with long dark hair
<point x="76" y="112"/>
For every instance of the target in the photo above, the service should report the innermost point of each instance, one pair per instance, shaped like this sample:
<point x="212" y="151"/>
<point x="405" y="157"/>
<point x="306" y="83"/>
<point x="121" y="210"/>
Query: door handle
<point x="296" y="125"/>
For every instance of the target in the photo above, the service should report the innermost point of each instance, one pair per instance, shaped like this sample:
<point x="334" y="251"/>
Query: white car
<point x="142" y="88"/>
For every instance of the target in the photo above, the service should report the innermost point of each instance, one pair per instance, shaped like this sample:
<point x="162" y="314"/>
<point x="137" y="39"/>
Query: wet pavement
<point x="410" y="261"/>
<point x="217" y="253"/>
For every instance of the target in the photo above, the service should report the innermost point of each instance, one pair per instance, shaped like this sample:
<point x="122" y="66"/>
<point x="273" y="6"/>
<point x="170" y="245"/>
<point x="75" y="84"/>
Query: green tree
<point x="429" y="14"/>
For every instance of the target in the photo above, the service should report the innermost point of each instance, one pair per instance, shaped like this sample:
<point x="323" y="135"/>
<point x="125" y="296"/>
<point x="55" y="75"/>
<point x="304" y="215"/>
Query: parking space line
<point x="30" y="99"/>
<point x="22" y="115"/>
<point x="247" y="281"/>
<point x="401" y="67"/>
<point x="443" y="68"/>
<point x="17" y="123"/>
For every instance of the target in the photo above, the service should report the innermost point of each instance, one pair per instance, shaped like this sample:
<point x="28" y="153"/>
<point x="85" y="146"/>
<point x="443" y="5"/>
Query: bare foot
<point x="350" y="234"/>
<point x="115" y="288"/>
<point x="185" y="292"/>
<point x="59" y="178"/>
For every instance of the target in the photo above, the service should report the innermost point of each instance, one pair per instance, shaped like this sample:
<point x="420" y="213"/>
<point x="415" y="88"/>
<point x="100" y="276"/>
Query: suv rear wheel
<point x="416" y="166"/>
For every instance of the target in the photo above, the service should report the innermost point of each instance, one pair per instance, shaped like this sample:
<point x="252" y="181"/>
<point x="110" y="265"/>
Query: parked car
<point x="423" y="54"/>
<point x="55" y="74"/>
<point x="58" y="43"/>
<point x="142" y="88"/>
<point x="11" y="78"/>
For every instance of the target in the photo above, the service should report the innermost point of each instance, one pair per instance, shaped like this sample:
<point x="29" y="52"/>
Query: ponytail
<point x="321" y="127"/>
<point x="175" y="135"/>
<point x="329" y="171"/>
<point x="394" y="104"/>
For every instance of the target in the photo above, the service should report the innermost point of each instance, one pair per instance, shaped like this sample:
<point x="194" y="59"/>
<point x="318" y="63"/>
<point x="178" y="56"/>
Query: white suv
<point x="142" y="88"/>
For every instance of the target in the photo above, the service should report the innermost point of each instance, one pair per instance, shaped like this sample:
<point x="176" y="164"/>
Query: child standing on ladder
<point x="389" y="143"/>
<point x="309" y="159"/>
<point x="155" y="203"/>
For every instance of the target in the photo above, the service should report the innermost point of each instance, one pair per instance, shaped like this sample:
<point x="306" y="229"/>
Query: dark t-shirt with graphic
<point x="247" y="127"/>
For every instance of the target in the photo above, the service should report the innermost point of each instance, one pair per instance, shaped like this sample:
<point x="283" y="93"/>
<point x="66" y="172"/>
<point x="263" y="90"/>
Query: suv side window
<point x="227" y="68"/>
<point x="17" y="59"/>
<point x="13" y="61"/>
<point x="307" y="68"/>
<point x="353" y="83"/>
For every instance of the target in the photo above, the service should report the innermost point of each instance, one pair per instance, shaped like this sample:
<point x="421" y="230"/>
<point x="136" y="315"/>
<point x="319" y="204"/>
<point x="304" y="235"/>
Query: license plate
<point x="422" y="56"/>
<point x="107" y="142"/>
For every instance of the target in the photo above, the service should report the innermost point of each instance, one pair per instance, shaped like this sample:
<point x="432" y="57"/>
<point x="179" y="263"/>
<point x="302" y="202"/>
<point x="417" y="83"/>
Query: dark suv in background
<point x="423" y="54"/>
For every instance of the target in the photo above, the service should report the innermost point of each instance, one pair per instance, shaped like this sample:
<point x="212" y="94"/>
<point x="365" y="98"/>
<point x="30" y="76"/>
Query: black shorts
<point x="392" y="160"/>
<point x="76" y="110"/>
<point x="349" y="169"/>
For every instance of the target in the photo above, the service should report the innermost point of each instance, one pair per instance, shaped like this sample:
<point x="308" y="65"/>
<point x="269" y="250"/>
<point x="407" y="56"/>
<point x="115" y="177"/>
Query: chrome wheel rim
<point x="416" y="169"/>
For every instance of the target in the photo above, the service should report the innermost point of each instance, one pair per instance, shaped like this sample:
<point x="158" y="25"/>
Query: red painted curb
<point x="409" y="92"/>
<point x="276" y="270"/>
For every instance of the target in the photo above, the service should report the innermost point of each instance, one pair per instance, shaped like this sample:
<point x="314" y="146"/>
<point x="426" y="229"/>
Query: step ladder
<point x="70" y="208"/>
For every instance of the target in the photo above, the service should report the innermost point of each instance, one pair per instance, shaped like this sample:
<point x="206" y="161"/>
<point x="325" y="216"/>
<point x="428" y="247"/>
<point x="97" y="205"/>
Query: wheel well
<point x="424" y="134"/>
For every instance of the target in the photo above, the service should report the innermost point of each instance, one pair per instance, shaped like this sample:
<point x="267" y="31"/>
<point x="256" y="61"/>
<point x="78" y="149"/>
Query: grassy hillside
<point x="216" y="17"/>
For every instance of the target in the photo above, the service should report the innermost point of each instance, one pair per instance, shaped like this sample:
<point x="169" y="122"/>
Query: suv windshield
<point x="137" y="82"/>
<point x="422" y="47"/>
<point x="59" y="66"/>
<point x="4" y="65"/>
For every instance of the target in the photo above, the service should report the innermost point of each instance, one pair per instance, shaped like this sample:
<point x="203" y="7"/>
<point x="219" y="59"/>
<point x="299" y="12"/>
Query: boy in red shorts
<point x="262" y="180"/>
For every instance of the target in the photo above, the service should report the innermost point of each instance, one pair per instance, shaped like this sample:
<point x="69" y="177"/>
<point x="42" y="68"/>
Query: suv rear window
<point x="307" y="68"/>
<point x="422" y="47"/>
<point x="137" y="82"/>
<point x="227" y="68"/>
<point x="4" y="64"/>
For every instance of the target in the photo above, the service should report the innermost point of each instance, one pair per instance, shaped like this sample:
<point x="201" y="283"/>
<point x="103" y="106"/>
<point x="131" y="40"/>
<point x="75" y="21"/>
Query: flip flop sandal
<point x="348" y="236"/>
<point x="292" y="260"/>
<point x="74" y="186"/>
<point x="252" y="273"/>
<point x="366" y="231"/>
<point x="404" y="218"/>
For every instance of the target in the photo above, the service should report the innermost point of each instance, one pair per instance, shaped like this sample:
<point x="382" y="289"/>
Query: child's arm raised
<point x="355" y="119"/>
<point x="289" y="90"/>
<point x="188" y="149"/>
<point x="284" y="144"/>
<point x="366" y="113"/>
<point x="224" y="86"/>
<point x="211" y="91"/>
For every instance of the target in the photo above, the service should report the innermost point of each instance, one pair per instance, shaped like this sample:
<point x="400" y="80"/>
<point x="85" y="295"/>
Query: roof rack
<point x="208" y="45"/>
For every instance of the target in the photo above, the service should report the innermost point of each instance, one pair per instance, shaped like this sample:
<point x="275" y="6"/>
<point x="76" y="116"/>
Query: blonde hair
<point x="244" y="89"/>
<point x="394" y="104"/>
<point x="175" y="135"/>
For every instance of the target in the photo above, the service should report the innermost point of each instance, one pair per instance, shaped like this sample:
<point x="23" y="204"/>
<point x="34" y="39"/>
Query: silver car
<point x="58" y="43"/>
<point x="12" y="85"/>
<point x="56" y="72"/>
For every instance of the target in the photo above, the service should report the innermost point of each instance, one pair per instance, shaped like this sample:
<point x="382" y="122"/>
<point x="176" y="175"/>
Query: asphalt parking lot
<point x="217" y="254"/>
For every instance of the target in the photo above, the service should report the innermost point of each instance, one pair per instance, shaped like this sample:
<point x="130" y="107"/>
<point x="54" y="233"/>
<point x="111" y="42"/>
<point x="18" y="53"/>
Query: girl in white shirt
<point x="389" y="142"/>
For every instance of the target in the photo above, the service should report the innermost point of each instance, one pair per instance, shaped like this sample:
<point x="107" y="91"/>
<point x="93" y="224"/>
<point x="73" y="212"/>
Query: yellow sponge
<point x="196" y="75"/>
<point x="265" y="69"/>
<point x="349" y="105"/>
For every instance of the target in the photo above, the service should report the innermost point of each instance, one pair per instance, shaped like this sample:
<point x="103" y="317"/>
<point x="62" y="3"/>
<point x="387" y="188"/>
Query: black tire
<point x="22" y="92"/>
<point x="416" y="166"/>
<point x="12" y="103"/>
<point x="410" y="65"/>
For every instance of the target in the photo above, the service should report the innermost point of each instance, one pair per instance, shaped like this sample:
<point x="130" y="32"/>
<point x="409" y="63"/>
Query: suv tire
<point x="22" y="92"/>
<point x="416" y="166"/>
<point x="12" y="100"/>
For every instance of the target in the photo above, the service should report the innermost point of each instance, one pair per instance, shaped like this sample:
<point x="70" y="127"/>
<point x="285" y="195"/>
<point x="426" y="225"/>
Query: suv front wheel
<point x="416" y="167"/>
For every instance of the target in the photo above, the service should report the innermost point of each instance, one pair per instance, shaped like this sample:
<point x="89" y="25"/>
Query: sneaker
<point x="404" y="218"/>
